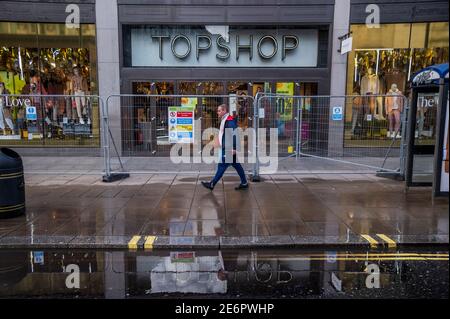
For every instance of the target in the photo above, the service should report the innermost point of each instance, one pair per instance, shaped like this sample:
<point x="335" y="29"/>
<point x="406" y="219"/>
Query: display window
<point x="45" y="60"/>
<point x="382" y="62"/>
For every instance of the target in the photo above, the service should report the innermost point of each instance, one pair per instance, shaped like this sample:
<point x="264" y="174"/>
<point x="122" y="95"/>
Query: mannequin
<point x="371" y="85"/>
<point x="357" y="110"/>
<point x="394" y="108"/>
<point x="395" y="77"/>
<point x="5" y="113"/>
<point x="79" y="88"/>
<point x="67" y="100"/>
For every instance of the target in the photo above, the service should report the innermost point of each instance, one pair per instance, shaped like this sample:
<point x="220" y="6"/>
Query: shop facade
<point x="217" y="49"/>
<point x="412" y="35"/>
<point x="41" y="55"/>
<point x="209" y="47"/>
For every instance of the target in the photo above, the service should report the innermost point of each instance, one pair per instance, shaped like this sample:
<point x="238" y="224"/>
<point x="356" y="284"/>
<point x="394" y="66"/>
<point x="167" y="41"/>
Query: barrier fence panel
<point x="336" y="133"/>
<point x="170" y="133"/>
<point x="51" y="124"/>
<point x="175" y="133"/>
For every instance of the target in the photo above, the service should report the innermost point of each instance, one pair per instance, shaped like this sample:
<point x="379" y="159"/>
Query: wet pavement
<point x="82" y="212"/>
<point x="62" y="164"/>
<point x="414" y="273"/>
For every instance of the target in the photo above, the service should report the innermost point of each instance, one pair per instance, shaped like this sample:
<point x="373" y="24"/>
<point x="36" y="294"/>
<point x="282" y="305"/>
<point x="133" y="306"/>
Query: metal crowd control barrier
<point x="347" y="131"/>
<point x="151" y="127"/>
<point x="49" y="122"/>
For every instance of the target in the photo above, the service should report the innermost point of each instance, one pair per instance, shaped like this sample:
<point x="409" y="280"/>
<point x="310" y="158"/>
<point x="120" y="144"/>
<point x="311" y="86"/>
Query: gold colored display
<point x="383" y="61"/>
<point x="48" y="59"/>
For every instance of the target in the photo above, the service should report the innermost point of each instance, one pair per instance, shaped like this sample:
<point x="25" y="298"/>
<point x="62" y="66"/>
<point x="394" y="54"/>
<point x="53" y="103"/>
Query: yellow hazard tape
<point x="391" y="243"/>
<point x="149" y="240"/>
<point x="371" y="240"/>
<point x="133" y="242"/>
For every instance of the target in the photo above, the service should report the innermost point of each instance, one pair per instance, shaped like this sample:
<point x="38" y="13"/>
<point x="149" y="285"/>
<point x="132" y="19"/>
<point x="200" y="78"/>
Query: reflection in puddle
<point x="229" y="274"/>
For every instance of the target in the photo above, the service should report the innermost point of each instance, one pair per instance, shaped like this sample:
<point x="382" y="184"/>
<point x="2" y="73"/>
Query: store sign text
<point x="17" y="102"/>
<point x="168" y="47"/>
<point x="204" y="43"/>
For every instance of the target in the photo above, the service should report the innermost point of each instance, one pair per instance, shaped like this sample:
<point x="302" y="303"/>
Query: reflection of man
<point x="227" y="122"/>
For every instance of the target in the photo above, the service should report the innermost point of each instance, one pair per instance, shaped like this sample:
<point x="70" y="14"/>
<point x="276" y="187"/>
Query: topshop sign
<point x="190" y="47"/>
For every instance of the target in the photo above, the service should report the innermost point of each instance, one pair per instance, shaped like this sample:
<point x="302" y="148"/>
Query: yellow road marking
<point x="133" y="242"/>
<point x="149" y="240"/>
<point x="370" y="254"/>
<point x="434" y="255"/>
<point x="360" y="256"/>
<point x="372" y="258"/>
<point x="371" y="240"/>
<point x="391" y="243"/>
<point x="446" y="259"/>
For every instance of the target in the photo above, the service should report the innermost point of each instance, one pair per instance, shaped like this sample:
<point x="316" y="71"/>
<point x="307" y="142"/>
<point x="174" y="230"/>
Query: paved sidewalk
<point x="290" y="165"/>
<point x="174" y="210"/>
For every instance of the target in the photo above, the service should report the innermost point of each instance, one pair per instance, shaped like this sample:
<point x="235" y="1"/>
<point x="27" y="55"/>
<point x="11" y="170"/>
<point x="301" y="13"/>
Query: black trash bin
<point x="12" y="184"/>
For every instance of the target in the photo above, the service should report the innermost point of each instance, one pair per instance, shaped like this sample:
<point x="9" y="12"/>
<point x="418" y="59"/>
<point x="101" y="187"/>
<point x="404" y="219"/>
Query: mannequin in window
<point x="35" y="87"/>
<point x="243" y="109"/>
<point x="357" y="109"/>
<point x="394" y="108"/>
<point x="68" y="100"/>
<point x="5" y="112"/>
<point x="79" y="88"/>
<point x="371" y="85"/>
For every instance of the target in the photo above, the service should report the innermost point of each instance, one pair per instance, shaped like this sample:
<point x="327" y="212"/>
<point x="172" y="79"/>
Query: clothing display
<point x="356" y="111"/>
<point x="394" y="108"/>
<point x="5" y="113"/>
<point x="396" y="77"/>
<point x="371" y="85"/>
<point x="79" y="89"/>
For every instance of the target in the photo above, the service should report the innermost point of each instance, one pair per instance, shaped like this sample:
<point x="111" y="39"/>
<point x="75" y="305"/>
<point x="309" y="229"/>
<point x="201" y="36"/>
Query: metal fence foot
<point x="396" y="176"/>
<point x="114" y="177"/>
<point x="256" y="178"/>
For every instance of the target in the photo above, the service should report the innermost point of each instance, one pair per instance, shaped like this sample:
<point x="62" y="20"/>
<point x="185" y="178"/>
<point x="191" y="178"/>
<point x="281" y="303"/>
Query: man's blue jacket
<point x="230" y="125"/>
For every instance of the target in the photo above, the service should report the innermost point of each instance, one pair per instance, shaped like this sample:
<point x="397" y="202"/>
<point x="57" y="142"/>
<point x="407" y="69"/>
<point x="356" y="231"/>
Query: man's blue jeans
<point x="222" y="167"/>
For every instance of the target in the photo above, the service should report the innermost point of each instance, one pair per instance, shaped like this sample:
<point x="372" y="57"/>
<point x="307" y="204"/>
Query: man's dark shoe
<point x="208" y="185"/>
<point x="241" y="186"/>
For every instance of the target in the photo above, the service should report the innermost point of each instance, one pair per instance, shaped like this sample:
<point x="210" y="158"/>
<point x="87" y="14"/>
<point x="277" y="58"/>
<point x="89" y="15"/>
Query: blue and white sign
<point x="38" y="257"/>
<point x="184" y="121"/>
<point x="337" y="113"/>
<point x="31" y="113"/>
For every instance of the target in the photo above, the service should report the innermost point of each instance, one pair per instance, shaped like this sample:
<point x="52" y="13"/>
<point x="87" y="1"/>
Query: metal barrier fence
<point x="51" y="124"/>
<point x="50" y="120"/>
<point x="343" y="131"/>
<point x="367" y="132"/>
<point x="152" y="124"/>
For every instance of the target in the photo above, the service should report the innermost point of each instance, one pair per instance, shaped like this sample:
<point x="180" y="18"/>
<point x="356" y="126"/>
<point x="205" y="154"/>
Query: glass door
<point x="424" y="137"/>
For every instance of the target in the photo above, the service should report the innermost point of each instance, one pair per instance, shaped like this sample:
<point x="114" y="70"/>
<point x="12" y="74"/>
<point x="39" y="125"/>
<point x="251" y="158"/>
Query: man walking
<point x="227" y="125"/>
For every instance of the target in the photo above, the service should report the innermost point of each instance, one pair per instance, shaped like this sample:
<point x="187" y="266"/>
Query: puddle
<point x="225" y="274"/>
